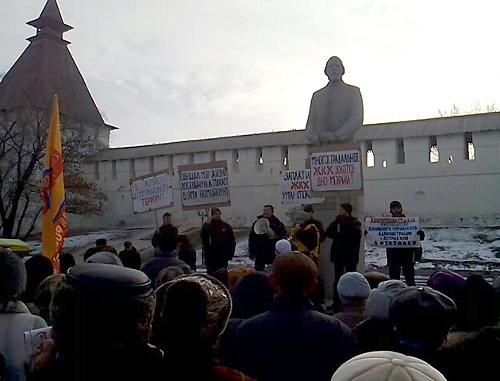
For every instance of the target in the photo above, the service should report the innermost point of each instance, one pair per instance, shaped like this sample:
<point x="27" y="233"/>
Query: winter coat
<point x="98" y="249"/>
<point x="345" y="232"/>
<point x="187" y="253"/>
<point x="166" y="238"/>
<point x="156" y="264"/>
<point x="131" y="258"/>
<point x="306" y="239"/>
<point x="262" y="244"/>
<point x="352" y="314"/>
<point x="320" y="227"/>
<point x="293" y="342"/>
<point x="15" y="319"/>
<point x="218" y="241"/>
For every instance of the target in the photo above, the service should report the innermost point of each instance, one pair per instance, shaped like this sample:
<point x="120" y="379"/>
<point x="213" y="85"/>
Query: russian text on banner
<point x="204" y="185"/>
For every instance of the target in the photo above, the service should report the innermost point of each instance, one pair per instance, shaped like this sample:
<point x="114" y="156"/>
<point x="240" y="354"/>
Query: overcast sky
<point x="166" y="70"/>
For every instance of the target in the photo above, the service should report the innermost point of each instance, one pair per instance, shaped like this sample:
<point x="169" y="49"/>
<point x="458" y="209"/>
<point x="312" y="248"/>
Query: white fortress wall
<point x="459" y="192"/>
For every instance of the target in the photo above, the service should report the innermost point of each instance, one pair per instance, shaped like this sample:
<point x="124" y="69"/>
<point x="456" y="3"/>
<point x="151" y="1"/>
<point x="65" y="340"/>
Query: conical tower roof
<point x="46" y="68"/>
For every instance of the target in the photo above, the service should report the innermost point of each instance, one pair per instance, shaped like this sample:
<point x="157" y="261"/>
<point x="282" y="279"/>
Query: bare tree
<point x="22" y="148"/>
<point x="476" y="108"/>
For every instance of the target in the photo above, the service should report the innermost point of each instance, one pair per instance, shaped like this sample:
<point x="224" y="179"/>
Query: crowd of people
<point x="116" y="317"/>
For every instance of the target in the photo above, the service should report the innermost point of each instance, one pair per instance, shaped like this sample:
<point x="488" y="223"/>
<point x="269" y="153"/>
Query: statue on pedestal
<point x="336" y="111"/>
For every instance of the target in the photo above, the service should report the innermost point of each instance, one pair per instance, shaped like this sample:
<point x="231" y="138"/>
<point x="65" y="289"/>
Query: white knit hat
<point x="352" y="286"/>
<point x="386" y="366"/>
<point x="380" y="299"/>
<point x="283" y="246"/>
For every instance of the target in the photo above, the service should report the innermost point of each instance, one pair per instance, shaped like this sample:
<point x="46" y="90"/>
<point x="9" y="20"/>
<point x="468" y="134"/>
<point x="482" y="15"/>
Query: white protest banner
<point x="296" y="188"/>
<point x="151" y="192"/>
<point x="392" y="231"/>
<point x="204" y="185"/>
<point x="337" y="170"/>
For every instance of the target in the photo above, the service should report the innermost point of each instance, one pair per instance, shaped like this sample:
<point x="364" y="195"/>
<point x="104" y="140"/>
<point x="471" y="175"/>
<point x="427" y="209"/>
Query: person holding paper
<point x="402" y="258"/>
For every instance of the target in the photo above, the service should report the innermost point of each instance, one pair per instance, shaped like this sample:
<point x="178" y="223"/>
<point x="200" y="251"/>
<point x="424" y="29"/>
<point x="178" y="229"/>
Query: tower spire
<point x="50" y="23"/>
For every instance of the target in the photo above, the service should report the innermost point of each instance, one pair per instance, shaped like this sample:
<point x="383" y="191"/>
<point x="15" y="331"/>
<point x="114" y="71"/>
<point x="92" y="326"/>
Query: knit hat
<point x="447" y="282"/>
<point x="386" y="366"/>
<point x="283" y="246"/>
<point x="421" y="307"/>
<point x="353" y="286"/>
<point x="105" y="257"/>
<point x="12" y="275"/>
<point x="380" y="299"/>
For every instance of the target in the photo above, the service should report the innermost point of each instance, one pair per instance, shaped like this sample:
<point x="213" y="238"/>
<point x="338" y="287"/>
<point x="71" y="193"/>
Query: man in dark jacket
<point x="345" y="232"/>
<point x="292" y="341"/>
<point x="402" y="258"/>
<point x="100" y="245"/>
<point x="261" y="247"/>
<point x="218" y="242"/>
<point x="166" y="236"/>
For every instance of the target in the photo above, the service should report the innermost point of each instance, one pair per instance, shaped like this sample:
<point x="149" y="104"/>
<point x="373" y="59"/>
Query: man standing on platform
<point x="261" y="243"/>
<point x="165" y="238"/>
<point x="402" y="258"/>
<point x="310" y="212"/>
<point x="218" y="242"/>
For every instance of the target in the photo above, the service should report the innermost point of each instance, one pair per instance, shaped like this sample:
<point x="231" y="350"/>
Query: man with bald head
<point x="293" y="341"/>
<point x="336" y="111"/>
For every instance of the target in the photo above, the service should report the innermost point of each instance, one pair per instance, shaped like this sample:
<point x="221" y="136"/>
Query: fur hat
<point x="421" y="306"/>
<point x="447" y="282"/>
<point x="386" y="366"/>
<point x="283" y="246"/>
<point x="380" y="299"/>
<point x="374" y="278"/>
<point x="353" y="286"/>
<point x="302" y="214"/>
<point x="105" y="257"/>
<point x="203" y="294"/>
<point x="12" y="275"/>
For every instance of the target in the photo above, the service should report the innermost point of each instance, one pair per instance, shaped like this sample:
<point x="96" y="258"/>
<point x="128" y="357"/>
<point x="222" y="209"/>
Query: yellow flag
<point x="54" y="224"/>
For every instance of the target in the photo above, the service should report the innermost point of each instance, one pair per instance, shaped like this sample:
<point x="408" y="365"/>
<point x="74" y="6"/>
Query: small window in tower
<point x="284" y="155"/>
<point x="450" y="159"/>
<point x="261" y="158"/>
<point x="400" y="151"/>
<point x="113" y="170"/>
<point x="132" y="168"/>
<point x="470" y="152"/>
<point x="151" y="164"/>
<point x="384" y="164"/>
<point x="370" y="155"/>
<point x="236" y="156"/>
<point x="433" y="150"/>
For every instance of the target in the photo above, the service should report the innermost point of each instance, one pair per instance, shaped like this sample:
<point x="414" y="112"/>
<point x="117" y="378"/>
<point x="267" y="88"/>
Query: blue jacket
<point x="293" y="342"/>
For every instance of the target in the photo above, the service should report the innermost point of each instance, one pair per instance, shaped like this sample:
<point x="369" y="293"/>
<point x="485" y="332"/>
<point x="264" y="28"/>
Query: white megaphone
<point x="261" y="227"/>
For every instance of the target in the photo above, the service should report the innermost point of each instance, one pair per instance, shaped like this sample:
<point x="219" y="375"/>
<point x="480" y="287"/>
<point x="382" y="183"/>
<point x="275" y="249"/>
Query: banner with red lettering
<point x="54" y="223"/>
<point x="296" y="188"/>
<point x="336" y="170"/>
<point x="151" y="192"/>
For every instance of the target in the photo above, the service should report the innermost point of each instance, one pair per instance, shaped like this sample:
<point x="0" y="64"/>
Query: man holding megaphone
<point x="266" y="231"/>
